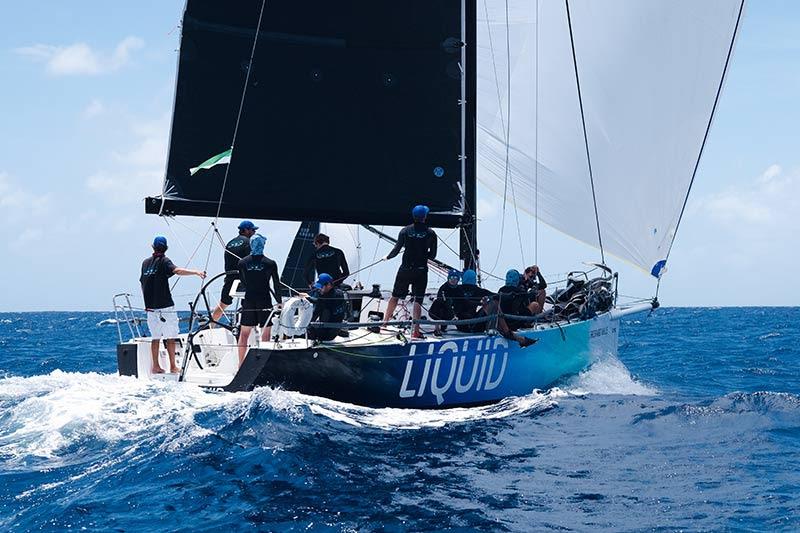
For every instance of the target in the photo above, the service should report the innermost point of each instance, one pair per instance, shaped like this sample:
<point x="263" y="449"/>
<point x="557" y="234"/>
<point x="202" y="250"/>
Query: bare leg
<point x="390" y="307"/>
<point x="265" y="335"/>
<point x="244" y="336"/>
<point x="416" y="313"/>
<point x="218" y="310"/>
<point x="173" y="368"/>
<point x="540" y="298"/>
<point x="154" y="347"/>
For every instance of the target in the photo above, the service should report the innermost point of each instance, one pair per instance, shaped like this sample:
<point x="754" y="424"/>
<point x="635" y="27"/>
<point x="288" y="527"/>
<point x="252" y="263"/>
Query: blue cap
<point x="246" y="224"/>
<point x="470" y="277"/>
<point x="420" y="212"/>
<point x="512" y="277"/>
<point x="317" y="286"/>
<point x="453" y="273"/>
<point x="323" y="279"/>
<point x="257" y="245"/>
<point x="160" y="242"/>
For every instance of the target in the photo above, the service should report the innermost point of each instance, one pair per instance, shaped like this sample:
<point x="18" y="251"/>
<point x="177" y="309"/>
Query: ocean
<point x="695" y="427"/>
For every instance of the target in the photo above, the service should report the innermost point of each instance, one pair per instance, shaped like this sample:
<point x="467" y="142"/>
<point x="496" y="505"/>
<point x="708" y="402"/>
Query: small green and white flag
<point x="220" y="159"/>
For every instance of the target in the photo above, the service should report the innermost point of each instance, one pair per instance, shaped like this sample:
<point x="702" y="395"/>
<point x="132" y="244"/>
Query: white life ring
<point x="295" y="316"/>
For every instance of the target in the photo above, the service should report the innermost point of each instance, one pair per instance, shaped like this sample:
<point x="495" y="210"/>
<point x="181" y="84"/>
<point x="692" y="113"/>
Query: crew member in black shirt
<point x="472" y="302"/>
<point x="515" y="300"/>
<point x="327" y="260"/>
<point x="533" y="282"/>
<point x="443" y="306"/>
<point x="255" y="271"/>
<point x="236" y="249"/>
<point x="162" y="319"/>
<point x="329" y="307"/>
<point x="419" y="242"/>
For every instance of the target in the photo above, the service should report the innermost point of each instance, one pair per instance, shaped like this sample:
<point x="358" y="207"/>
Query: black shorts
<point x="225" y="298"/>
<point x="255" y="314"/>
<point x="416" y="278"/>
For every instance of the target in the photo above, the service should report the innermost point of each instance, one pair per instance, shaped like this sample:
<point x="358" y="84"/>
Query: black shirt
<point x="156" y="271"/>
<point x="536" y="282"/>
<point x="419" y="242"/>
<point x="449" y="292"/>
<point x="470" y="298"/>
<point x="255" y="271"/>
<point x="514" y="300"/>
<point x="329" y="260"/>
<point x="329" y="307"/>
<point x="237" y="249"/>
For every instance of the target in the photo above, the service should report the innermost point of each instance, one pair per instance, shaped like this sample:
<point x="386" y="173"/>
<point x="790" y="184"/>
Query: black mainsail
<point x="353" y="112"/>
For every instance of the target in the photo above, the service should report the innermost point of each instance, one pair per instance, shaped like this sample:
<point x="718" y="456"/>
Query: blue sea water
<point x="695" y="426"/>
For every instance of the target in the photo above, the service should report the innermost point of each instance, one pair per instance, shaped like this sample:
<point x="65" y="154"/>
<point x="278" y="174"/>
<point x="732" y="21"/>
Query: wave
<point x="43" y="416"/>
<point x="108" y="322"/>
<point x="735" y="403"/>
<point x="607" y="375"/>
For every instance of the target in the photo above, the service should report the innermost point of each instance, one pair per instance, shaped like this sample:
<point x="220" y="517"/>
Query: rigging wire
<point x="505" y="123"/>
<point x="236" y="126"/>
<point x="708" y="129"/>
<point x="585" y="136"/>
<point x="536" y="146"/>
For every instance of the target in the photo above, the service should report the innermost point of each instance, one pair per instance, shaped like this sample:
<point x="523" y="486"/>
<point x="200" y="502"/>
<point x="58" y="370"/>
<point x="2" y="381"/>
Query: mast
<point x="468" y="246"/>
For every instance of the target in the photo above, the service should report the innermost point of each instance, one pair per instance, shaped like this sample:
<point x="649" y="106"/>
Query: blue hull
<point x="450" y="372"/>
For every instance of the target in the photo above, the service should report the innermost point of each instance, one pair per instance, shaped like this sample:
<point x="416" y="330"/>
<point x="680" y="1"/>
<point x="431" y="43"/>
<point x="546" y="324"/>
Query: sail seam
<point x="585" y="136"/>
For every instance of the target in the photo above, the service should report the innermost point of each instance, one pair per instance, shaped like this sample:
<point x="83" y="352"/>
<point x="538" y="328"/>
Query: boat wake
<point x="48" y="419"/>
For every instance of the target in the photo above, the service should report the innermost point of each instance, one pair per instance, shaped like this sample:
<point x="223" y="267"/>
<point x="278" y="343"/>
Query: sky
<point x="87" y="91"/>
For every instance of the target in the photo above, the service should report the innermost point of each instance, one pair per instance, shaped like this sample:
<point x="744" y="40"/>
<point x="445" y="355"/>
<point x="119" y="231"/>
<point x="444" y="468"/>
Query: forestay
<point x="649" y="74"/>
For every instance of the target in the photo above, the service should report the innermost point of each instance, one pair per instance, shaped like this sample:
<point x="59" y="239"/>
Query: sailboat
<point x="590" y="116"/>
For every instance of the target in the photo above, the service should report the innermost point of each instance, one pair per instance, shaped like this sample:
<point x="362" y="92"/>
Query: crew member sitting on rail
<point x="255" y="271"/>
<point x="473" y="296"/>
<point x="471" y="302"/>
<point x="327" y="260"/>
<point x="514" y="300"/>
<point x="162" y="319"/>
<point x="442" y="307"/>
<point x="419" y="242"/>
<point x="533" y="282"/>
<point x="237" y="249"/>
<point x="329" y="307"/>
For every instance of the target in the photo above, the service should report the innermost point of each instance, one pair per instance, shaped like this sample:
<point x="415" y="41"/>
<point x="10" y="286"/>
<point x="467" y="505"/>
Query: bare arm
<point x="189" y="272"/>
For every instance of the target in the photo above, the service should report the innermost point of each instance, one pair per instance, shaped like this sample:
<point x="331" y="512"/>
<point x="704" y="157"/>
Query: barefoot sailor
<point x="162" y="319"/>
<point x="419" y="242"/>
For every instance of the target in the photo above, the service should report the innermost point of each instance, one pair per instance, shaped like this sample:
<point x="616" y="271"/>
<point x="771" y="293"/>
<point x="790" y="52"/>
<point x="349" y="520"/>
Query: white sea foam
<point x="45" y="414"/>
<point x="392" y="418"/>
<point x="607" y="375"/>
<point x="108" y="322"/>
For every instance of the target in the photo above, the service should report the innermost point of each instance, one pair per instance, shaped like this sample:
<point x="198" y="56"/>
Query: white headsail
<point x="649" y="73"/>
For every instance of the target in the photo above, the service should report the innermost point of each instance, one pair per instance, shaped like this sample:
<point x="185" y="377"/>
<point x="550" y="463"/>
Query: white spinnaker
<point x="649" y="74"/>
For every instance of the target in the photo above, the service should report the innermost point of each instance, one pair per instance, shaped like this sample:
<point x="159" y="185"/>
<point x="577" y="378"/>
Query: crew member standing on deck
<point x="162" y="319"/>
<point x="255" y="271"/>
<point x="237" y="249"/>
<point x="419" y="242"/>
<point x="327" y="260"/>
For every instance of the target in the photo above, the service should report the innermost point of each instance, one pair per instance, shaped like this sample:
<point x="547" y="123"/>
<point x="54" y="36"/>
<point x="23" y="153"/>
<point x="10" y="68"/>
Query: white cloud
<point x="80" y="58"/>
<point x="136" y="171"/>
<point x="15" y="199"/>
<point x="769" y="202"/>
<point x="95" y="108"/>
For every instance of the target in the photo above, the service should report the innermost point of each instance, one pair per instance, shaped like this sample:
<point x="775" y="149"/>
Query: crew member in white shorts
<point x="162" y="319"/>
